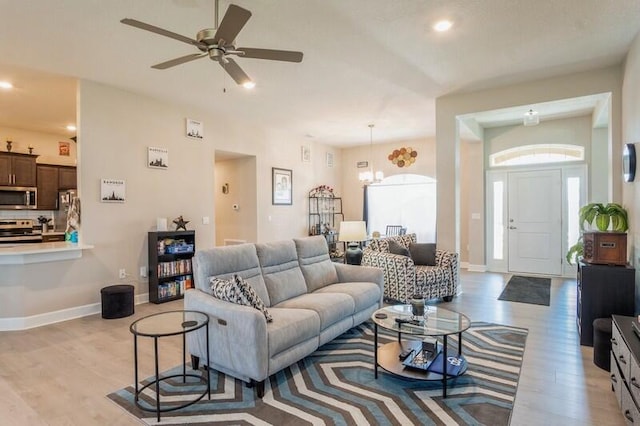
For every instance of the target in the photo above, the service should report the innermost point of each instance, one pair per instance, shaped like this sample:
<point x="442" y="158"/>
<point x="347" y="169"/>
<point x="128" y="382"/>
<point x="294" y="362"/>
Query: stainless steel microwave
<point x="18" y="197"/>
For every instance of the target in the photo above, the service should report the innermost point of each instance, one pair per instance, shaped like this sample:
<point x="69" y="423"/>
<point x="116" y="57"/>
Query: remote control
<point x="404" y="354"/>
<point x="407" y="321"/>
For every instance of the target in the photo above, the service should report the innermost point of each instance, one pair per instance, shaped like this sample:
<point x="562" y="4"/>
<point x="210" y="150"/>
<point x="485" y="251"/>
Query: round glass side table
<point x="163" y="324"/>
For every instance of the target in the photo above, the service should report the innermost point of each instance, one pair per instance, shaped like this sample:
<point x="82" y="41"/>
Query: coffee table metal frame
<point x="439" y="322"/>
<point x="191" y="321"/>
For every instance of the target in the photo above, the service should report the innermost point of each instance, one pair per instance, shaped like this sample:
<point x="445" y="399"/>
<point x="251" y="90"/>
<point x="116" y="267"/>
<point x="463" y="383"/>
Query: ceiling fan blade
<point x="274" y="55"/>
<point x="232" y="23"/>
<point x="234" y="70"/>
<point x="162" y="31"/>
<point x="178" y="61"/>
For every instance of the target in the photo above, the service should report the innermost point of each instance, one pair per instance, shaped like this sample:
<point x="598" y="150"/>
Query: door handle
<point x="512" y="227"/>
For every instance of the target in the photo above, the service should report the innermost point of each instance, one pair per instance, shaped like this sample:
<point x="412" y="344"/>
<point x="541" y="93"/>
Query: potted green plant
<point x="607" y="217"/>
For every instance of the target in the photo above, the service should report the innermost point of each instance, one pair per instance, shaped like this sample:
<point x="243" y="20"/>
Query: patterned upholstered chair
<point x="403" y="279"/>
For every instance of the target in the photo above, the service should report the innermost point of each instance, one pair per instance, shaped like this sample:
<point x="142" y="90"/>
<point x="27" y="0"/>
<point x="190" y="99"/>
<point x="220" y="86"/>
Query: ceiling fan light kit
<point x="219" y="44"/>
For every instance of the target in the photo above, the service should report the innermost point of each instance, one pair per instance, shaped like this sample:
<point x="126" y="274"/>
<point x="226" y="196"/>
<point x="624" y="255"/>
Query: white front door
<point x="534" y="222"/>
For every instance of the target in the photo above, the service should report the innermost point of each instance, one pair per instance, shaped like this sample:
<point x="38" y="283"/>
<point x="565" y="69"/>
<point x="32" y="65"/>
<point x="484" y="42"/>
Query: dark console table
<point x="603" y="291"/>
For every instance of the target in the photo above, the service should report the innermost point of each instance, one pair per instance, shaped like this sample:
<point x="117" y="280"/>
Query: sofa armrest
<point x="237" y="336"/>
<point x="450" y="261"/>
<point x="399" y="272"/>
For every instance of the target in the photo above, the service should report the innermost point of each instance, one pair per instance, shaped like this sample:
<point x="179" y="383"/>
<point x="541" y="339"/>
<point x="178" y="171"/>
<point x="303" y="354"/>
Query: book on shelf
<point x="175" y="267"/>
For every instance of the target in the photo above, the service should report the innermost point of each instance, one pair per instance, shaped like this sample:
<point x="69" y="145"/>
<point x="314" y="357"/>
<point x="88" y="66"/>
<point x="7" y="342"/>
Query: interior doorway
<point x="236" y="208"/>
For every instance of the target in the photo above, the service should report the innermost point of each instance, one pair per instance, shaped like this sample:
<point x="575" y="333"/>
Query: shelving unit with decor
<point x="325" y="213"/>
<point x="170" y="267"/>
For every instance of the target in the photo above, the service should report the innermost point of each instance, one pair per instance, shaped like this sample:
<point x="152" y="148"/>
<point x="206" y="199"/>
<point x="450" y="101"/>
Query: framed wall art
<point x="195" y="129"/>
<point x="112" y="191"/>
<point x="158" y="158"/>
<point x="282" y="186"/>
<point x="306" y="153"/>
<point x="64" y="148"/>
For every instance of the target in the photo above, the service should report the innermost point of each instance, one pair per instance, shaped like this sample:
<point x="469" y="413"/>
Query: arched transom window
<point x="537" y="154"/>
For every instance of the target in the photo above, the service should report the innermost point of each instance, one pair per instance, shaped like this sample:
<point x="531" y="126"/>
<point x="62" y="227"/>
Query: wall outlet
<point x="205" y="220"/>
<point x="143" y="272"/>
<point x="122" y="273"/>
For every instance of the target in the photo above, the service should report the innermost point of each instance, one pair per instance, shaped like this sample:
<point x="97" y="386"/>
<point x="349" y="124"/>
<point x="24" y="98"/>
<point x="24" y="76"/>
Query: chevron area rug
<point x="336" y="386"/>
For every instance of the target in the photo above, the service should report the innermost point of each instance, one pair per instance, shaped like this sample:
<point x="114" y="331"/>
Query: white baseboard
<point x="25" y="323"/>
<point x="476" y="268"/>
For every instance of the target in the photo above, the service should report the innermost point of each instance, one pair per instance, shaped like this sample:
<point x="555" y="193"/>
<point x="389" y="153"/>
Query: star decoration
<point x="180" y="223"/>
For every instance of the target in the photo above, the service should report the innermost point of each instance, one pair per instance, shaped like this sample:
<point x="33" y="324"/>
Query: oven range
<point x="18" y="231"/>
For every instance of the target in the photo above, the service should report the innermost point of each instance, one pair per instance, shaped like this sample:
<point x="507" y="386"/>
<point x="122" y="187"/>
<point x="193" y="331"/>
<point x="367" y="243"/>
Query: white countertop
<point x="19" y="254"/>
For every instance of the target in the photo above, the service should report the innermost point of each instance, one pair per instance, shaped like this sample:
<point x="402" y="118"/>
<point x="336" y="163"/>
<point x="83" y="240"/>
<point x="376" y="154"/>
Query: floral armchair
<point x="403" y="279"/>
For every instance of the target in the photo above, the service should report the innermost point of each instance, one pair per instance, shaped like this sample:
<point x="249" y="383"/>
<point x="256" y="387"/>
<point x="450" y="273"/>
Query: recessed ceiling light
<point x="248" y="85"/>
<point x="5" y="85"/>
<point x="71" y="128"/>
<point x="443" y="25"/>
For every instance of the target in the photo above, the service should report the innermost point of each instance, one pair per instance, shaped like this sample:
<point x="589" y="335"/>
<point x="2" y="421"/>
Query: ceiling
<point x="366" y="61"/>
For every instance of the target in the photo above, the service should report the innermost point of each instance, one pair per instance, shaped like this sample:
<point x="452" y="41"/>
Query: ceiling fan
<point x="219" y="44"/>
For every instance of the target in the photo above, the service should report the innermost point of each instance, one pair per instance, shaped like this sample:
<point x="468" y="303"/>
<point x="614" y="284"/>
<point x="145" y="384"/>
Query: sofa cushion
<point x="291" y="327"/>
<point x="423" y="254"/>
<point x="396" y="248"/>
<point x="238" y="291"/>
<point x="330" y="307"/>
<point x="281" y="270"/>
<point x="364" y="294"/>
<point x="223" y="262"/>
<point x="316" y="265"/>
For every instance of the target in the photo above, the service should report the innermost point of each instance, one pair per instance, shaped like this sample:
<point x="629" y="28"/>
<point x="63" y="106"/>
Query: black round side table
<point x="163" y="324"/>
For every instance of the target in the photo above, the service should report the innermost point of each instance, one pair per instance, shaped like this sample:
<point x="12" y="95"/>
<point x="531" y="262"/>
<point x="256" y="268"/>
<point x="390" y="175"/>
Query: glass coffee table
<point x="437" y="323"/>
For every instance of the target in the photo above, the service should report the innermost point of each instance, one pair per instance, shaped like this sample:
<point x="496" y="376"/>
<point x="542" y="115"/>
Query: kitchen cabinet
<point x="48" y="176"/>
<point x="67" y="178"/>
<point x="17" y="169"/>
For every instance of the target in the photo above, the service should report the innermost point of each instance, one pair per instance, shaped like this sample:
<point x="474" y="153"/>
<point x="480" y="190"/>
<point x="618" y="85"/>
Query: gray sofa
<point x="312" y="300"/>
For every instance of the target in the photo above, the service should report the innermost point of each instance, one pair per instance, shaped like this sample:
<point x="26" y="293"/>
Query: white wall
<point x="115" y="128"/>
<point x="631" y="134"/>
<point x="352" y="188"/>
<point x="45" y="145"/>
<point x="447" y="141"/>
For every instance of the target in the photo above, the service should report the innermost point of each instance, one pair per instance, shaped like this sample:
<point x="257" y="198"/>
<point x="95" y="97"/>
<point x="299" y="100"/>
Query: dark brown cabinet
<point x="47" y="187"/>
<point x="67" y="178"/>
<point x="17" y="169"/>
<point x="170" y="272"/>
<point x="602" y="291"/>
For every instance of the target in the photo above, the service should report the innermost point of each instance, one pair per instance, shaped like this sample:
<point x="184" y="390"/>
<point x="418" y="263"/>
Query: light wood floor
<point x="60" y="374"/>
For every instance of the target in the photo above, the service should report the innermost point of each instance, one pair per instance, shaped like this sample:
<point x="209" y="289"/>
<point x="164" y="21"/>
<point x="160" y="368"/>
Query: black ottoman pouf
<point x="602" y="343"/>
<point x="117" y="301"/>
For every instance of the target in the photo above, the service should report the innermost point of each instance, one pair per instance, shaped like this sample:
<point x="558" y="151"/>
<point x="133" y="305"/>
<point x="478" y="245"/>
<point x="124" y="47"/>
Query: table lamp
<point x="352" y="232"/>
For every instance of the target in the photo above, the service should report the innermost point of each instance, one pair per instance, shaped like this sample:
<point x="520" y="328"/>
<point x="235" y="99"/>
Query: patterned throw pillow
<point x="396" y="248"/>
<point x="238" y="291"/>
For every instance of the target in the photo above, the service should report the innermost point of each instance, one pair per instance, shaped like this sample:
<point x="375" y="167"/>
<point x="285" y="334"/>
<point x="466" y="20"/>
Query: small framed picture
<point x="64" y="148"/>
<point x="112" y="191"/>
<point x="157" y="158"/>
<point x="282" y="186"/>
<point x="195" y="129"/>
<point x="329" y="159"/>
<point x="306" y="154"/>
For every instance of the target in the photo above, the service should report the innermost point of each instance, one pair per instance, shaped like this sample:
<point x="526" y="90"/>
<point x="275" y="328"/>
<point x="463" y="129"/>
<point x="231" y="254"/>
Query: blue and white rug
<point x="336" y="386"/>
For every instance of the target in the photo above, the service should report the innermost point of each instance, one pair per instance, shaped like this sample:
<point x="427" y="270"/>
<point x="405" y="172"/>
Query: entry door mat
<point x="336" y="386"/>
<point x="533" y="290"/>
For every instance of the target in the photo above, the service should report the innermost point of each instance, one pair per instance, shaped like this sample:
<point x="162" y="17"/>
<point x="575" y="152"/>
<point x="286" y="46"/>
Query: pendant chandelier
<point x="371" y="176"/>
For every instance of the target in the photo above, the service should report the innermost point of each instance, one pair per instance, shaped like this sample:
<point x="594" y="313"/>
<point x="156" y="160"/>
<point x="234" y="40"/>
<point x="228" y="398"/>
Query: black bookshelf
<point x="170" y="267"/>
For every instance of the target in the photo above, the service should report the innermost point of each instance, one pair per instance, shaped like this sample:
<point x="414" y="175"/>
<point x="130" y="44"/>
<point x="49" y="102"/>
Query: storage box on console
<point x="605" y="248"/>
